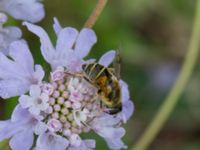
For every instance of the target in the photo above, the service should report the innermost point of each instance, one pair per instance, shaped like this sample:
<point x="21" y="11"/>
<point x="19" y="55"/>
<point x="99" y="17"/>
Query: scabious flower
<point x="59" y="110"/>
<point x="7" y="34"/>
<point x="18" y="73"/>
<point x="30" y="10"/>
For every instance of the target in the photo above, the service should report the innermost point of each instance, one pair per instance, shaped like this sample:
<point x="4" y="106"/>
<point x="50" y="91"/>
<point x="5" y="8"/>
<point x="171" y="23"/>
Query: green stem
<point x="178" y="88"/>
<point x="4" y="145"/>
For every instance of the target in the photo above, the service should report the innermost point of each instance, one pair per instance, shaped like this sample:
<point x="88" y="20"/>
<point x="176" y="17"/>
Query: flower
<point x="84" y="145"/>
<point x="36" y="102"/>
<point x="30" y="10"/>
<point x="127" y="104"/>
<point x="7" y="34"/>
<point x="19" y="73"/>
<point x="20" y="128"/>
<point x="109" y="130"/>
<point x="71" y="45"/>
<point x="66" y="105"/>
<point x="49" y="141"/>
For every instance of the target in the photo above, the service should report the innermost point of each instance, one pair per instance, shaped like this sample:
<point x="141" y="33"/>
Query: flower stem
<point x="95" y="14"/>
<point x="4" y="145"/>
<point x="178" y="88"/>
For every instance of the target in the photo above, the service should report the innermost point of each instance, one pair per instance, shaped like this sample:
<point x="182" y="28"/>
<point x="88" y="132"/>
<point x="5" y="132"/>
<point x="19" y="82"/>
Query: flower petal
<point x="86" y="39"/>
<point x="112" y="136"/>
<point x="125" y="91"/>
<point x="102" y="121"/>
<point x="91" y="144"/>
<point x="75" y="140"/>
<point x="17" y="74"/>
<point x="22" y="140"/>
<point x="38" y="75"/>
<point x="30" y="10"/>
<point x="127" y="111"/>
<point x="14" y="32"/>
<point x="116" y="144"/>
<point x="19" y="114"/>
<point x="35" y="91"/>
<point x="85" y="145"/>
<point x="20" y="52"/>
<point x="40" y="128"/>
<point x="25" y="101"/>
<point x="46" y="45"/>
<point x="107" y="58"/>
<point x="7" y="36"/>
<point x="63" y="54"/>
<point x="57" y="27"/>
<point x="66" y="39"/>
<point x="48" y="141"/>
<point x="8" y="129"/>
<point x="109" y="130"/>
<point x="3" y="132"/>
<point x="12" y="87"/>
<point x="9" y="69"/>
<point x="34" y="111"/>
<point x="74" y="63"/>
<point x="90" y="61"/>
<point x="127" y="104"/>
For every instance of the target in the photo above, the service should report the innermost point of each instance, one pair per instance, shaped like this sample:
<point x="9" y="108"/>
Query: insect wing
<point x="117" y="65"/>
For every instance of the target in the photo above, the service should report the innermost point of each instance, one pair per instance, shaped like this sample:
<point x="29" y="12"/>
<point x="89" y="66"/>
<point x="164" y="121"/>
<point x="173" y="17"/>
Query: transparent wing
<point x="117" y="65"/>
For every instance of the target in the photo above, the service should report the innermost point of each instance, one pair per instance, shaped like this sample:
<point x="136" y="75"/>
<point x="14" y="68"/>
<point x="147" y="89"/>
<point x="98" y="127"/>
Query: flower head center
<point x="71" y="103"/>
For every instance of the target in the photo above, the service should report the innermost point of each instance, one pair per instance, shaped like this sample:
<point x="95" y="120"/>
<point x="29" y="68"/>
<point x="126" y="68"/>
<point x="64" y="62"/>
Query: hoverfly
<point x="107" y="82"/>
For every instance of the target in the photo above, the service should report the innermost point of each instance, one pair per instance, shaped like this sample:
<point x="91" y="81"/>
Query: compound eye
<point x="99" y="91"/>
<point x="112" y="111"/>
<point x="84" y="66"/>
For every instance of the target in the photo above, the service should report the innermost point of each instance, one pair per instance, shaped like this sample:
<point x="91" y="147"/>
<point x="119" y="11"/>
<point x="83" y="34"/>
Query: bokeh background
<point x="152" y="38"/>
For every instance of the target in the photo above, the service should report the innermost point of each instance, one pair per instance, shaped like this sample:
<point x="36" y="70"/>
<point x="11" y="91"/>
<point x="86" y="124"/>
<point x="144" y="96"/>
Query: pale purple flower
<point x="20" y="128"/>
<point x="71" y="45"/>
<point x="19" y="73"/>
<point x="36" y="102"/>
<point x="54" y="125"/>
<point x="79" y="144"/>
<point x="47" y="88"/>
<point x="107" y="58"/>
<point x="107" y="127"/>
<point x="127" y="104"/>
<point x="84" y="145"/>
<point x="56" y="26"/>
<point x="30" y="10"/>
<point x="81" y="116"/>
<point x="60" y="109"/>
<point x="58" y="74"/>
<point x="76" y="94"/>
<point x="49" y="141"/>
<point x="7" y="34"/>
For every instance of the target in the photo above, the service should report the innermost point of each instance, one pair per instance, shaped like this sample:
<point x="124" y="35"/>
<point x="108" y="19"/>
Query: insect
<point x="107" y="81"/>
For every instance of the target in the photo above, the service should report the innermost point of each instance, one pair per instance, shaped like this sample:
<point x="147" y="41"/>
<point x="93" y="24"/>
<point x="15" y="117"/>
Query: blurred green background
<point x="152" y="37"/>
